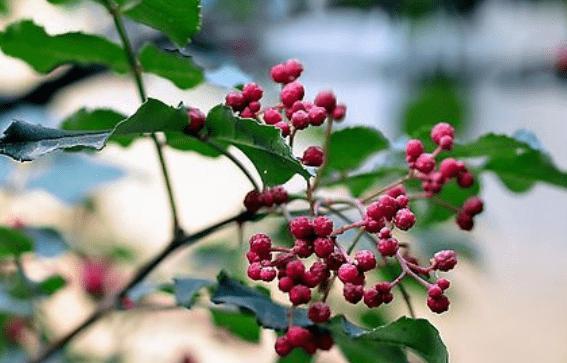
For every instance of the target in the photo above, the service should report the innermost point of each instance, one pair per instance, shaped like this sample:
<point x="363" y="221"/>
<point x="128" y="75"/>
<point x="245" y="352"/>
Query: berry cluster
<point x="308" y="339"/>
<point x="255" y="200"/>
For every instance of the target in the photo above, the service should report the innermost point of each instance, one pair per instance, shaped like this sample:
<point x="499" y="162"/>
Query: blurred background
<point x="489" y="65"/>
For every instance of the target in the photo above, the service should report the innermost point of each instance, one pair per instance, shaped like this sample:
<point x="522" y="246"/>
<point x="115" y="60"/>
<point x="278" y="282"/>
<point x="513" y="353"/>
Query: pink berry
<point x="247" y="113"/>
<point x="365" y="260"/>
<point x="14" y="329"/>
<point x="443" y="283"/>
<point x="388" y="206"/>
<point x="254" y="106"/>
<point x="335" y="260"/>
<point x="385" y="233"/>
<point x="372" y="226"/>
<point x="388" y="247"/>
<point x="279" y="74"/>
<point x="445" y="260"/>
<point x="94" y="277"/>
<point x="465" y="221"/>
<point x="300" y="120"/>
<point x="317" y="115"/>
<point x="283" y="347"/>
<point x="254" y="271"/>
<point x="402" y="201"/>
<point x="438" y="305"/>
<point x="313" y="156"/>
<point x="323" y="226"/>
<point x="260" y="244"/>
<point x="323" y="247"/>
<point x="235" y="100"/>
<point x="383" y="287"/>
<point x="425" y="163"/>
<point x="404" y="219"/>
<point x="252" y="92"/>
<point x="434" y="291"/>
<point x="299" y="294"/>
<point x="396" y="191"/>
<point x="339" y="112"/>
<point x="301" y="228"/>
<point x="253" y="201"/>
<point x="465" y="180"/>
<point x="196" y="120"/>
<point x="284" y="128"/>
<point x="293" y="68"/>
<point x="292" y="92"/>
<point x="295" y="270"/>
<point x="372" y="298"/>
<point x="298" y="336"/>
<point x="353" y="293"/>
<point x="268" y="274"/>
<point x="280" y="195"/>
<point x="327" y="100"/>
<point x="267" y="198"/>
<point x="473" y="206"/>
<point x="449" y="168"/>
<point x="311" y="279"/>
<point x="446" y="143"/>
<point x="319" y="312"/>
<point x="302" y="248"/>
<point x="414" y="148"/>
<point x="440" y="130"/>
<point x="286" y="284"/>
<point x="253" y="257"/>
<point x="272" y="116"/>
<point x="348" y="273"/>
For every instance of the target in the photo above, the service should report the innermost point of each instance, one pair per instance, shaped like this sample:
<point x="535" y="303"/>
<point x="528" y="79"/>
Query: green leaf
<point x="358" y="351"/>
<point x="13" y="242"/>
<point x="25" y="142"/>
<point x="416" y="334"/>
<point x="184" y="142"/>
<point x="269" y="314"/>
<point x="171" y="65"/>
<point x="97" y="120"/>
<point x="262" y="144"/>
<point x="186" y="289"/>
<point x="43" y="52"/>
<point x="350" y="147"/>
<point x="242" y="325"/>
<point x="296" y="356"/>
<point x="178" y="19"/>
<point x="491" y="145"/>
<point x="52" y="284"/>
<point x="153" y="116"/>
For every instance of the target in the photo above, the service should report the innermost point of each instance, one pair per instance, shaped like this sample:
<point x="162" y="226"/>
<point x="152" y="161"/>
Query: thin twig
<point x="406" y="298"/>
<point x="235" y="161"/>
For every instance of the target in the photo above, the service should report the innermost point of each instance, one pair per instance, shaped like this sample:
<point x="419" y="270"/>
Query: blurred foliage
<point x="240" y="324"/>
<point x="414" y="8"/>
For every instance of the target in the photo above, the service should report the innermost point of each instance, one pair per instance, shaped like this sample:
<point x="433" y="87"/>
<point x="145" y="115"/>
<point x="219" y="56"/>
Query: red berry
<point x="268" y="274"/>
<point x="383" y="287"/>
<point x="353" y="293"/>
<point x="284" y="128"/>
<point x="327" y="100"/>
<point x="365" y="260"/>
<point x="272" y="116"/>
<point x="235" y="100"/>
<point x="443" y="283"/>
<point x="396" y="191"/>
<point x="323" y="247"/>
<point x="414" y="148"/>
<point x="465" y="221"/>
<point x="313" y="156"/>
<point x="323" y="226"/>
<point x="14" y="329"/>
<point x="295" y="270"/>
<point x="348" y="273"/>
<point x="372" y="298"/>
<point x="387" y="207"/>
<point x="434" y="291"/>
<point x="319" y="312"/>
<point x="404" y="219"/>
<point x="324" y="341"/>
<point x="253" y="257"/>
<point x="339" y="112"/>
<point x="425" y="163"/>
<point x="280" y="195"/>
<point x="247" y="113"/>
<point x="298" y="336"/>
<point x="317" y="115"/>
<point x="300" y="120"/>
<point x="473" y="206"/>
<point x="293" y="68"/>
<point x="279" y="74"/>
<point x="299" y="294"/>
<point x="267" y="198"/>
<point x="388" y="247"/>
<point x="254" y="106"/>
<point x="312" y="279"/>
<point x="252" y="92"/>
<point x="286" y="284"/>
<point x="260" y="244"/>
<point x="402" y="201"/>
<point x="446" y="143"/>
<point x="94" y="277"/>
<point x="449" y="168"/>
<point x="372" y="226"/>
<point x="310" y="347"/>
<point x="301" y="228"/>
<point x="292" y="92"/>
<point x="465" y="180"/>
<point x="302" y="248"/>
<point x="283" y="347"/>
<point x="445" y="260"/>
<point x="385" y="233"/>
<point x="254" y="271"/>
<point x="438" y="305"/>
<point x="196" y="120"/>
<point x="253" y="201"/>
<point x="440" y="130"/>
<point x="335" y="260"/>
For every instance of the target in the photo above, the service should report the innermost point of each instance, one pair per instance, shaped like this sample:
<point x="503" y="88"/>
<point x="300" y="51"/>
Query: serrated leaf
<point x="47" y="241"/>
<point x="25" y="142"/>
<point x="187" y="288"/>
<point x="171" y="65"/>
<point x="153" y="116"/>
<point x="240" y="324"/>
<point x="269" y="314"/>
<point x="183" y="142"/>
<point x="262" y="144"/>
<point x="13" y="242"/>
<point x="43" y="52"/>
<point x="416" y="334"/>
<point x="178" y="19"/>
<point x="350" y="147"/>
<point x="97" y="120"/>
